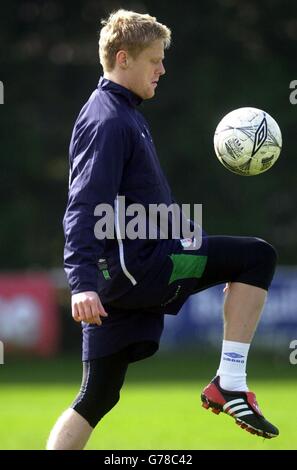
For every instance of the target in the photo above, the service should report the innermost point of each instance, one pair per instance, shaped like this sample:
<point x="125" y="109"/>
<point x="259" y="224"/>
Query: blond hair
<point x="130" y="31"/>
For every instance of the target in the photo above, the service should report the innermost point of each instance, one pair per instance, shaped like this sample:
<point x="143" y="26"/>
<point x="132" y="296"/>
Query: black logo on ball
<point x="260" y="136"/>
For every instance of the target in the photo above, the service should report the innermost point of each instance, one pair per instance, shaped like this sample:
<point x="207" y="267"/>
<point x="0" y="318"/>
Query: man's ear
<point x="122" y="59"/>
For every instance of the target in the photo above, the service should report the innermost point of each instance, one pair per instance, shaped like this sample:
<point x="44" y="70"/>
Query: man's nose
<point x="162" y="70"/>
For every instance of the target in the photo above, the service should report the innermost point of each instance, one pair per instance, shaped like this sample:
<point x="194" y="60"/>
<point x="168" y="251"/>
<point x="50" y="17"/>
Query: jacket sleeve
<point x="97" y="159"/>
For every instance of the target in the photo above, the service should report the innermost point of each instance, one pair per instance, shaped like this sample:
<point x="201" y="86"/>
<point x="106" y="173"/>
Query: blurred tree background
<point x="225" y="54"/>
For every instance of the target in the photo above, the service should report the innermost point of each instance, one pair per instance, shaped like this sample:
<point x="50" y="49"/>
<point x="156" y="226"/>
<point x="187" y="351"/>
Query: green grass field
<point x="159" y="408"/>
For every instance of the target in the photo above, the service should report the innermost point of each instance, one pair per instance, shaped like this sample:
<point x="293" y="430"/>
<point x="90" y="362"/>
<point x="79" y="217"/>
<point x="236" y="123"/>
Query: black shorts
<point x="138" y="316"/>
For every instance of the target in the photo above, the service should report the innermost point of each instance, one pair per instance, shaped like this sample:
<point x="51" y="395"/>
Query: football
<point x="247" y="141"/>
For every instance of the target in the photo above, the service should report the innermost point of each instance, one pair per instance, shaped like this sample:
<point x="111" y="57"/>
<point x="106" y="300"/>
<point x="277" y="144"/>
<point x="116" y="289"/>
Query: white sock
<point x="233" y="365"/>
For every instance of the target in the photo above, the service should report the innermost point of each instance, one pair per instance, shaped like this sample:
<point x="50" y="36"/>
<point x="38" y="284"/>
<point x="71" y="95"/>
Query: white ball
<point x="248" y="141"/>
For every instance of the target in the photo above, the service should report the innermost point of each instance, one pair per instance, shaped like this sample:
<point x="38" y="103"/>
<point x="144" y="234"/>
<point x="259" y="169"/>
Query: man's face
<point x="144" y="71"/>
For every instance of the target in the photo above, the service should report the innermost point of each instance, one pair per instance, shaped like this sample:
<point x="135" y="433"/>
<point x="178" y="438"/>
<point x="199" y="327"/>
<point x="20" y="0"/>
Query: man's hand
<point x="87" y="307"/>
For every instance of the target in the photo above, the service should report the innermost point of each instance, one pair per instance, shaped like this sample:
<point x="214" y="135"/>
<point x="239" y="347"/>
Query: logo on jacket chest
<point x="146" y="134"/>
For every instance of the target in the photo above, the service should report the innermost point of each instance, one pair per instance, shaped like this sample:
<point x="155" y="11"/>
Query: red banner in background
<point x="28" y="314"/>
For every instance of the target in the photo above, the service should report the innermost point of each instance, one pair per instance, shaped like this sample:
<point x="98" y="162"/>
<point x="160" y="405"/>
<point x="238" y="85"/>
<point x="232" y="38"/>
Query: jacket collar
<point x="108" y="85"/>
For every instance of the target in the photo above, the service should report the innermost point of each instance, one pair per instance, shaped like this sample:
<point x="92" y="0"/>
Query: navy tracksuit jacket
<point x="111" y="154"/>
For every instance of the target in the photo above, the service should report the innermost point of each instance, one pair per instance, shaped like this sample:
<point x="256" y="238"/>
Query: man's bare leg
<point x="71" y="432"/>
<point x="242" y="310"/>
<point x="228" y="392"/>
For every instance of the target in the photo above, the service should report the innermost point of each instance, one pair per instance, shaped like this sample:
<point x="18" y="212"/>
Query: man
<point x="121" y="287"/>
